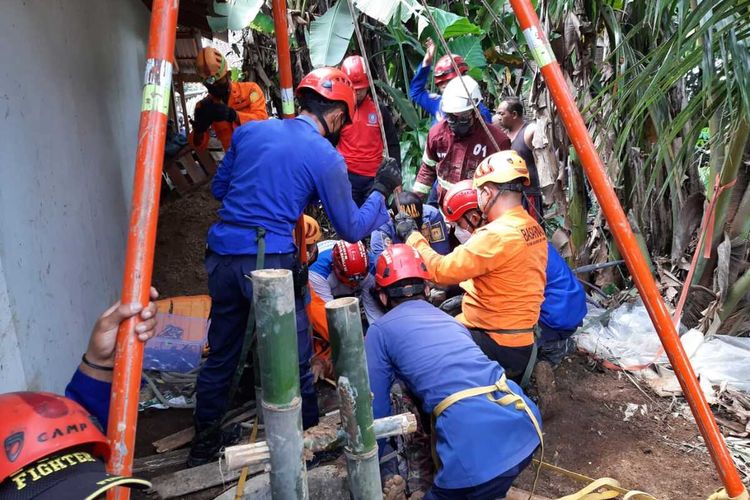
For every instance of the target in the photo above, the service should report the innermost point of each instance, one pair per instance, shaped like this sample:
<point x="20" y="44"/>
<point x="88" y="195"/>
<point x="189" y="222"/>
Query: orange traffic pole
<point x="139" y="258"/>
<point x="627" y="244"/>
<point x="284" y="58"/>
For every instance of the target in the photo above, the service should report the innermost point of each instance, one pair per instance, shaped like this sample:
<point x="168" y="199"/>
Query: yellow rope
<point x="240" y="491"/>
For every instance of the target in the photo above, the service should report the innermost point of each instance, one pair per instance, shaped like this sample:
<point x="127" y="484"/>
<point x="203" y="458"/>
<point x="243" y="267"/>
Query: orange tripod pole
<point x="284" y="59"/>
<point x="627" y="244"/>
<point x="139" y="258"/>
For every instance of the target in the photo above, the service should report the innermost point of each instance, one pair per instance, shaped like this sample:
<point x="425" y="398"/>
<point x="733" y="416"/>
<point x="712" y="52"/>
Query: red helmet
<point x="399" y="262"/>
<point x="444" y="70"/>
<point x="332" y="84"/>
<point x="350" y="262"/>
<point x="459" y="199"/>
<point x="39" y="424"/>
<point x="354" y="67"/>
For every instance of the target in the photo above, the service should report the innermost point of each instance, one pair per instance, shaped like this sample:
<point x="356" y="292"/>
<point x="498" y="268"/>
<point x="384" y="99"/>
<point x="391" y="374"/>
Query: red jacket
<point x="247" y="99"/>
<point x="361" y="142"/>
<point x="450" y="159"/>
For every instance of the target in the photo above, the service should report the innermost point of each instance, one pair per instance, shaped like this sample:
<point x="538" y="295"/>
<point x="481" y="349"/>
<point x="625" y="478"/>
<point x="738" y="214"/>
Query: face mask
<point x="462" y="235"/>
<point x="334" y="137"/>
<point x="460" y="128"/>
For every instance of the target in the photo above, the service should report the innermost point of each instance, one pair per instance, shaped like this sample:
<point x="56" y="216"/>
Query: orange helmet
<point x="356" y="70"/>
<point x="211" y="65"/>
<point x="399" y="262"/>
<point x="350" y="262"/>
<point x="38" y="424"/>
<point x="312" y="230"/>
<point x="444" y="70"/>
<point x="331" y="84"/>
<point x="502" y="167"/>
<point x="459" y="199"/>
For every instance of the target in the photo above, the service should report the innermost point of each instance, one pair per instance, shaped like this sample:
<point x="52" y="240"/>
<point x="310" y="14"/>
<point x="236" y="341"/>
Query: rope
<point x="447" y="49"/>
<point x="239" y="493"/>
<point x="613" y="488"/>
<point x="498" y="22"/>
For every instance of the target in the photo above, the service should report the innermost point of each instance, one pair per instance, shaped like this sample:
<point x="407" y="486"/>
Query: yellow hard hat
<point x="312" y="230"/>
<point x="211" y="65"/>
<point x="501" y="168"/>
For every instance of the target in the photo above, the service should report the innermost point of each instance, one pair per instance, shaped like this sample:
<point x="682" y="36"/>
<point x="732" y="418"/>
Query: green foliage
<point x="330" y="34"/>
<point x="263" y="23"/>
<point x="236" y="15"/>
<point x="470" y="47"/>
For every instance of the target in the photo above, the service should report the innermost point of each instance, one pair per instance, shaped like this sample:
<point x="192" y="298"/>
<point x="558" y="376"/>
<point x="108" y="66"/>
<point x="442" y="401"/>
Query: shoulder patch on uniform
<point x="437" y="234"/>
<point x="254" y="96"/>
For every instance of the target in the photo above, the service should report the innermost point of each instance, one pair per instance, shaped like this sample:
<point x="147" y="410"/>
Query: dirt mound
<point x="181" y="243"/>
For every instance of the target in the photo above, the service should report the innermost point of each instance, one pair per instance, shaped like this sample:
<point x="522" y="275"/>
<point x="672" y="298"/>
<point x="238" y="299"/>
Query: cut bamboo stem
<point x="254" y="454"/>
<point x="273" y="300"/>
<point x="348" y="352"/>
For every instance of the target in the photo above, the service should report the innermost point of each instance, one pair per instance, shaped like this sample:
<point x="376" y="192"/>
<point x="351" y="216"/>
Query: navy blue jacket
<point x="434" y="355"/>
<point x="429" y="101"/>
<point x="272" y="171"/>
<point x="564" y="303"/>
<point x="92" y="394"/>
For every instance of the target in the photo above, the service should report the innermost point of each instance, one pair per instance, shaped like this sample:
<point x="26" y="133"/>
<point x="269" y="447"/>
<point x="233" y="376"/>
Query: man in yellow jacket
<point x="502" y="267"/>
<point x="228" y="104"/>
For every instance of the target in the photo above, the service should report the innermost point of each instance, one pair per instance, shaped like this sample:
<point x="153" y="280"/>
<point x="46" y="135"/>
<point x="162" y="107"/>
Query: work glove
<point x="210" y="110"/>
<point x="452" y="306"/>
<point x="387" y="178"/>
<point x="405" y="225"/>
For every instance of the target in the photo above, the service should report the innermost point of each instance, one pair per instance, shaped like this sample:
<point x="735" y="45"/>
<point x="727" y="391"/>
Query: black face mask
<point x="460" y="128"/>
<point x="334" y="137"/>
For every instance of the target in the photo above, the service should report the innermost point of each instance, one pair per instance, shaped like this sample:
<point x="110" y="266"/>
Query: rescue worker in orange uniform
<point x="361" y="142"/>
<point x="502" y="267"/>
<point x="228" y="104"/>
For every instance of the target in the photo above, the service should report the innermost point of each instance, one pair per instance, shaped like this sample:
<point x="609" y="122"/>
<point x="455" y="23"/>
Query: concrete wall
<point x="70" y="92"/>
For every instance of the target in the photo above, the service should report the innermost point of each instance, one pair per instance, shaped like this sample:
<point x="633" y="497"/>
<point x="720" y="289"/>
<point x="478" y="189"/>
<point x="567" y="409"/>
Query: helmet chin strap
<point x="322" y="121"/>
<point x="489" y="206"/>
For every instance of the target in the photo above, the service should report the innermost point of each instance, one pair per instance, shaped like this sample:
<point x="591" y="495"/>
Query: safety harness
<point x="507" y="398"/>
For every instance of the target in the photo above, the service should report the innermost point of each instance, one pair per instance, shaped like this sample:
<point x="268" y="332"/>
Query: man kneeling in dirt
<point x="484" y="428"/>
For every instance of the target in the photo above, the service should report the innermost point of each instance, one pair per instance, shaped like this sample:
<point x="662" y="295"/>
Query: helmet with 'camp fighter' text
<point x="350" y="262"/>
<point x="355" y="69"/>
<point x="331" y="84"/>
<point x="52" y="448"/>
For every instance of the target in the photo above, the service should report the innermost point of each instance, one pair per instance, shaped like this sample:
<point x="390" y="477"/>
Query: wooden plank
<point x="179" y="180"/>
<point x="183" y="437"/>
<point x="194" y="169"/>
<point x="185" y="482"/>
<point x="208" y="161"/>
<point x="154" y="463"/>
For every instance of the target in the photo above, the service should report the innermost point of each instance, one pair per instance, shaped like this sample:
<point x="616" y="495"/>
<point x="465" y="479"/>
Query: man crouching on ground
<point x="484" y="428"/>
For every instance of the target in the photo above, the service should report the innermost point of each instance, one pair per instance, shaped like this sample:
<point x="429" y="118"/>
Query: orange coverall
<point x="248" y="100"/>
<point x="502" y="268"/>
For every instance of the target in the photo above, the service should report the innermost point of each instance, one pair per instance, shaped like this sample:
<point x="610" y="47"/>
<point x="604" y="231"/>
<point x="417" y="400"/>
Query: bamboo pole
<point x="348" y="352"/>
<point x="139" y="256"/>
<point x="247" y="455"/>
<point x="627" y="244"/>
<point x="273" y="300"/>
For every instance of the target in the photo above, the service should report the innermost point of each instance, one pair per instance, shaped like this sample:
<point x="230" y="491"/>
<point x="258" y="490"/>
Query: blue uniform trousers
<point x="494" y="488"/>
<point x="231" y="298"/>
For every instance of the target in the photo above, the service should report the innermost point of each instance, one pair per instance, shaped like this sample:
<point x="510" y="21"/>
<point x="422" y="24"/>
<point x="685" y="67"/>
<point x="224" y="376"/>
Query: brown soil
<point x="181" y="243"/>
<point x="587" y="434"/>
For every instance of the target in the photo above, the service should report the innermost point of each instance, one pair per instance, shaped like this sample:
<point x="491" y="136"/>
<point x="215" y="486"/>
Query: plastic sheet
<point x="626" y="338"/>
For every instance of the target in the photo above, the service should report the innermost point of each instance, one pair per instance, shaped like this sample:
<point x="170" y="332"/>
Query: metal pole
<point x="139" y="256"/>
<point x="273" y="300"/>
<point x="348" y="352"/>
<point x="627" y="244"/>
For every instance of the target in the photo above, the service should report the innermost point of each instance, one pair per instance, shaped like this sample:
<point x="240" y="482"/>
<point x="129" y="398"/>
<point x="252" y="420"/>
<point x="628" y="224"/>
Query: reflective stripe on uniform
<point x="427" y="160"/>
<point x="418" y="187"/>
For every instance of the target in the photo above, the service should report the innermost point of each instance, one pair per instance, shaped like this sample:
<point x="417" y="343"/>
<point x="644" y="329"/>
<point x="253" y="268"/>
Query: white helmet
<point x="455" y="99"/>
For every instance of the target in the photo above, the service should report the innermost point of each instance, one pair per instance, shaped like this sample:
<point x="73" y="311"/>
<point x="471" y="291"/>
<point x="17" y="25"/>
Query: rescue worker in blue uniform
<point x="429" y="221"/>
<point x="444" y="73"/>
<point x="272" y="171"/>
<point x="485" y="428"/>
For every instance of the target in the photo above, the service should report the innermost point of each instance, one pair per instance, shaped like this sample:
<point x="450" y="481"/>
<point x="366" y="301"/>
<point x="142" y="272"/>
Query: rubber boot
<point x="206" y="443"/>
